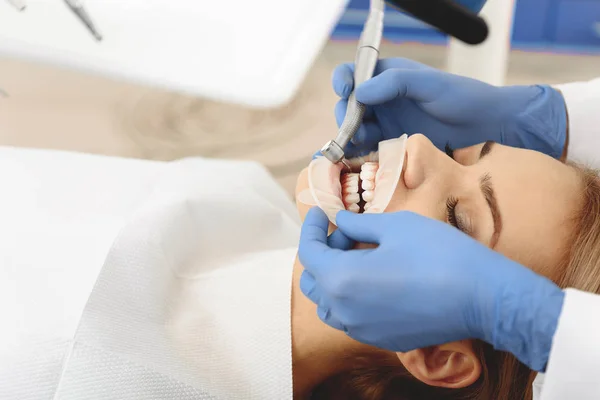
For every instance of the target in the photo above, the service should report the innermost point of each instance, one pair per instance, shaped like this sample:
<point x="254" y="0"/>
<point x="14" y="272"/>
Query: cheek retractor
<point x="392" y="154"/>
<point x="369" y="187"/>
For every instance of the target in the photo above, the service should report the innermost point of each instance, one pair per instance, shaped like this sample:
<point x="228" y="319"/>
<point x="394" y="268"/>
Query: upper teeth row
<point x="350" y="191"/>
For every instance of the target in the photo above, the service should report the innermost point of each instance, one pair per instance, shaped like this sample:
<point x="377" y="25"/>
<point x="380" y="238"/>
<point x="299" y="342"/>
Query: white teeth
<point x="354" y="208"/>
<point x="350" y="194"/>
<point x="367" y="175"/>
<point x="369" y="166"/>
<point x="350" y="187"/>
<point x="351" y="198"/>
<point x="350" y="179"/>
<point x="351" y="176"/>
<point x="350" y="183"/>
<point x="368" y="185"/>
<point x="368" y="171"/>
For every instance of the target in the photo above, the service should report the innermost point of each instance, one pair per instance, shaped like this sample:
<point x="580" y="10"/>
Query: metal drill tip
<point x="18" y="4"/>
<point x="84" y="17"/>
<point x="346" y="165"/>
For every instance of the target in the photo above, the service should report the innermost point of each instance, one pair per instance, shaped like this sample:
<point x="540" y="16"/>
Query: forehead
<point x="537" y="196"/>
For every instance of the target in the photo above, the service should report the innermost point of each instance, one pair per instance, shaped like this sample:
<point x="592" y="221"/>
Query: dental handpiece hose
<point x="367" y="55"/>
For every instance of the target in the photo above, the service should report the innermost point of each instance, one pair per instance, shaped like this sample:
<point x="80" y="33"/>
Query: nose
<point x="423" y="161"/>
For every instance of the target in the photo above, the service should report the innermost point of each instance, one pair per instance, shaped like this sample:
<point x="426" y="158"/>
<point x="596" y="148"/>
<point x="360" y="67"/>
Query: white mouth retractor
<point x="325" y="189"/>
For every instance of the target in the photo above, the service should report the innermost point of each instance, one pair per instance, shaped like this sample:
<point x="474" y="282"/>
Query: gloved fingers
<point x="343" y="75"/>
<point x="397" y="62"/>
<point x="368" y="136"/>
<point x="353" y="150"/>
<point x="365" y="228"/>
<point x="325" y="316"/>
<point x="418" y="85"/>
<point x="343" y="80"/>
<point x="340" y="112"/>
<point x="308" y="287"/>
<point x="314" y="251"/>
<point x="337" y="240"/>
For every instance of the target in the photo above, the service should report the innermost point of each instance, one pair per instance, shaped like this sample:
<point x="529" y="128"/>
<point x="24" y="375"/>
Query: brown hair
<point x="503" y="377"/>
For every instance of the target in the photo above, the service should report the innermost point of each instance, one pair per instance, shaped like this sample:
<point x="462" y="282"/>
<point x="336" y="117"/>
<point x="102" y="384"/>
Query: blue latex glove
<point x="408" y="97"/>
<point x="425" y="284"/>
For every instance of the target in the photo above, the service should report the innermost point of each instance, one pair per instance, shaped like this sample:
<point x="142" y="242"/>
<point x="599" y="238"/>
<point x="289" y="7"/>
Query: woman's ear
<point x="453" y="365"/>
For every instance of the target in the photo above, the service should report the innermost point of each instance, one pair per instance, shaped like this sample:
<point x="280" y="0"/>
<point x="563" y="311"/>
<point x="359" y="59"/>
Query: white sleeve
<point x="583" y="107"/>
<point x="573" y="370"/>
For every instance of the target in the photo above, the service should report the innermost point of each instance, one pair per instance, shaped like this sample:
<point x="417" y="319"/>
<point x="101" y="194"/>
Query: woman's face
<point x="517" y="201"/>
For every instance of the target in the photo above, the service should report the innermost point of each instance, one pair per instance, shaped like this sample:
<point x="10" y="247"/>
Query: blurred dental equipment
<point x="18" y="4"/>
<point x="251" y="53"/>
<point x="77" y="7"/>
<point x="201" y="47"/>
<point x="364" y="66"/>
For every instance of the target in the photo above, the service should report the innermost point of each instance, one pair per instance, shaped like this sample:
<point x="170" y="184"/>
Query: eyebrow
<point x="485" y="183"/>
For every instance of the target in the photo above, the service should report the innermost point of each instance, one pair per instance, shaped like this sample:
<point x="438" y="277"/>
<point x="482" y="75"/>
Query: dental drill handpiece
<point x="367" y="55"/>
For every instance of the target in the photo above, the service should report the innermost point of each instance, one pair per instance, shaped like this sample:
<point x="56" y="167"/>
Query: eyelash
<point x="449" y="151"/>
<point x="451" y="204"/>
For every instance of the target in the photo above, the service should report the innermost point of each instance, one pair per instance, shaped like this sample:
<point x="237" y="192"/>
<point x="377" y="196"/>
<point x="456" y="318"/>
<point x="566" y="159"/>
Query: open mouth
<point x="358" y="185"/>
<point x="365" y="185"/>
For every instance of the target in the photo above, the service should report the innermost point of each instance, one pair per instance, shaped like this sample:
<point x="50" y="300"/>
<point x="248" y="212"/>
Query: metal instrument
<point x="364" y="66"/>
<point x="77" y="7"/>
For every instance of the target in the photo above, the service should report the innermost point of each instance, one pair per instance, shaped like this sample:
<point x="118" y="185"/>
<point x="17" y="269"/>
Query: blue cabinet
<point x="530" y="20"/>
<point x="578" y="23"/>
<point x="537" y="23"/>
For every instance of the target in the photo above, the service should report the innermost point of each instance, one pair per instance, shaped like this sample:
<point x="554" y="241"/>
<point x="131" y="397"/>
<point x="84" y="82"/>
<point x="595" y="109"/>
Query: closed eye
<point x="451" y="204"/>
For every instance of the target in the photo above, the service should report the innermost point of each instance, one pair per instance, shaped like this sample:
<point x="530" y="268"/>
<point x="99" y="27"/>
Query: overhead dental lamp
<point x="255" y="53"/>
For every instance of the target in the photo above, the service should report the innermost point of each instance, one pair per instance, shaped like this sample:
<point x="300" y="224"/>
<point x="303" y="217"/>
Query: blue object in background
<point x="578" y="22"/>
<point x="397" y="25"/>
<point x="538" y="24"/>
